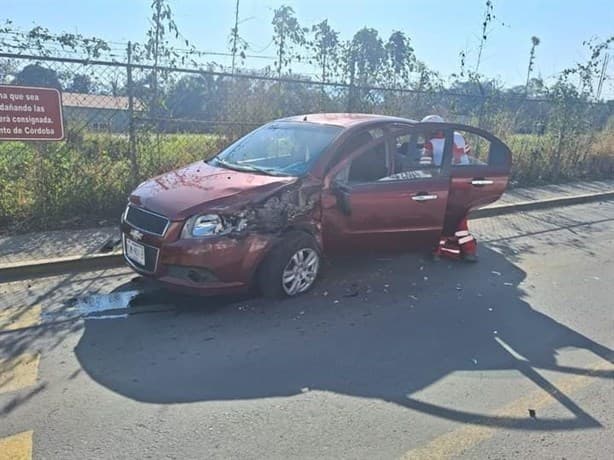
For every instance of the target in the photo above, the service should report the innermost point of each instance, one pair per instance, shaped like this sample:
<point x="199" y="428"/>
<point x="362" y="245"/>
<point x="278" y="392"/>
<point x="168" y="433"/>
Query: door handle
<point x="481" y="182"/>
<point x="424" y="197"/>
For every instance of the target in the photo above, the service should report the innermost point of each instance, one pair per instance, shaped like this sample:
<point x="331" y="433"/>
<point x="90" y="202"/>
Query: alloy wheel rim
<point x="300" y="271"/>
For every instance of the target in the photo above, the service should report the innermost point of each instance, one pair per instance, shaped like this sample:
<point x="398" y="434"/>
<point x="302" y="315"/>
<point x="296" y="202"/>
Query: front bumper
<point x="210" y="266"/>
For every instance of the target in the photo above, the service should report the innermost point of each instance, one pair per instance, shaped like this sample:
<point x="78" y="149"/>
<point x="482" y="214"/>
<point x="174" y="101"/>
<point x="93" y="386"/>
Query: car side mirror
<point x="342" y="193"/>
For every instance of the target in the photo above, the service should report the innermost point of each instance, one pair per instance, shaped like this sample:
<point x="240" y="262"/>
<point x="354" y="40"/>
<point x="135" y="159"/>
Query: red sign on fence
<point x="33" y="114"/>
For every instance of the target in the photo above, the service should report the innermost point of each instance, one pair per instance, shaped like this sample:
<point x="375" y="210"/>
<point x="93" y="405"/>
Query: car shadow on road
<point x="382" y="328"/>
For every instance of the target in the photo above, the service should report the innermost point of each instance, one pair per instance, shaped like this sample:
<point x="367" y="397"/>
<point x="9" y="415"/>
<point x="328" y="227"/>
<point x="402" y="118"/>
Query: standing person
<point x="461" y="245"/>
<point x="433" y="148"/>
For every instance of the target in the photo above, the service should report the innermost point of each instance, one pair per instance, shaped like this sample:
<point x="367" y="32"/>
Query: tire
<point x="298" y="253"/>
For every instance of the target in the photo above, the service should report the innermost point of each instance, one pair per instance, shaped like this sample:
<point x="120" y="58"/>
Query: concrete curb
<point x="498" y="210"/>
<point x="31" y="269"/>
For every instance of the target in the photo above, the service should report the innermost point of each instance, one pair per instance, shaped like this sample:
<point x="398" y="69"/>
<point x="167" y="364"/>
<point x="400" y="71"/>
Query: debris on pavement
<point x="532" y="413"/>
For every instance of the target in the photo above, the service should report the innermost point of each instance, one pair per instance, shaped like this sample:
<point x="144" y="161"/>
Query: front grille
<point x="151" y="257"/>
<point x="146" y="221"/>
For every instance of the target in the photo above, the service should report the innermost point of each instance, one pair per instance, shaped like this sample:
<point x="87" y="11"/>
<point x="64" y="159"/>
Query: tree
<point x="534" y="44"/>
<point x="37" y="75"/>
<point x="367" y="56"/>
<point x="8" y="68"/>
<point x="401" y="60"/>
<point x="325" y="48"/>
<point x="287" y="35"/>
<point x="363" y="59"/>
<point x="193" y="97"/>
<point x="81" y="84"/>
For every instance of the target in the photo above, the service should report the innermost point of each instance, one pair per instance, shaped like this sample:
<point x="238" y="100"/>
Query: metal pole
<point x="235" y="34"/>
<point x="134" y="165"/>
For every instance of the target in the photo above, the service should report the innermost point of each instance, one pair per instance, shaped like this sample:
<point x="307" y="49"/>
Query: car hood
<point x="202" y="187"/>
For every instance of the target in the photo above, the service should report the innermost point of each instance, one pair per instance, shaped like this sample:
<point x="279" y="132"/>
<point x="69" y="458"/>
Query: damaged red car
<point x="266" y="209"/>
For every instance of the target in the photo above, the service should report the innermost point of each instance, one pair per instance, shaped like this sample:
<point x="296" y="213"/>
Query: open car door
<point x="381" y="197"/>
<point x="479" y="171"/>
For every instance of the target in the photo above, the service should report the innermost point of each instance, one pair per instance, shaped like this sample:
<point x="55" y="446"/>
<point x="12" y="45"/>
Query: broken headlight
<point x="205" y="225"/>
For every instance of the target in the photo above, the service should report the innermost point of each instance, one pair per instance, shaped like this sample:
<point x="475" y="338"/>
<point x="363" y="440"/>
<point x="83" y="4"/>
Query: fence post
<point x="134" y="165"/>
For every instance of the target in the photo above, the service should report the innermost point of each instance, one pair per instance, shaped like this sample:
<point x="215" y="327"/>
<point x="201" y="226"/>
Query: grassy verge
<point x="82" y="181"/>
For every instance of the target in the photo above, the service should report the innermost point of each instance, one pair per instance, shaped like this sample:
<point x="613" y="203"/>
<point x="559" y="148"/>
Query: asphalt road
<point x="388" y="357"/>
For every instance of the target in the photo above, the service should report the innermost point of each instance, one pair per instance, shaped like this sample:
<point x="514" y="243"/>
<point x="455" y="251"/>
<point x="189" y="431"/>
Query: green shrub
<point x="80" y="181"/>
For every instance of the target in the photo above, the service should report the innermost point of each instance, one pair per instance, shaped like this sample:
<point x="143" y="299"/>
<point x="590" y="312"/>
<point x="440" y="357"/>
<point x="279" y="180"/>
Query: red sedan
<point x="264" y="210"/>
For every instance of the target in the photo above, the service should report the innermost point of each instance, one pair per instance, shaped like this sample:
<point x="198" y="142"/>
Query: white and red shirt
<point x="433" y="150"/>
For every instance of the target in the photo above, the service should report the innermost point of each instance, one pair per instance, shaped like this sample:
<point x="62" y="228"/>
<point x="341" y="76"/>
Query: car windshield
<point x="283" y="148"/>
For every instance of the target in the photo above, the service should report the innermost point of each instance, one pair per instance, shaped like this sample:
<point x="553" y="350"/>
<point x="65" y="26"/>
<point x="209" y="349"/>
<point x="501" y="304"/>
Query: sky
<point x="438" y="29"/>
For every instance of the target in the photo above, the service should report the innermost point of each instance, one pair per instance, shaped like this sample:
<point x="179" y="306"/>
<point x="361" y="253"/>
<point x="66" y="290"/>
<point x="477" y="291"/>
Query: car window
<point x="416" y="155"/>
<point x="376" y="132"/>
<point x="369" y="166"/>
<point x="469" y="149"/>
<point x="354" y="142"/>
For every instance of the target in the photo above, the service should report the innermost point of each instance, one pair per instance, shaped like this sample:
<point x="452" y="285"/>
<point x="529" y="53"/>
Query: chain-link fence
<point x="126" y="121"/>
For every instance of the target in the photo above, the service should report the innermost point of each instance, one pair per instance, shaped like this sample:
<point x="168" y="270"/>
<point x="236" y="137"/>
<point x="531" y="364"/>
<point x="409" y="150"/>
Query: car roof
<point x="345" y="120"/>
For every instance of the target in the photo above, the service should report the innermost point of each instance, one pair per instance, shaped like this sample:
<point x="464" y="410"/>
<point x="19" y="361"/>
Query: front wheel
<point x="291" y="268"/>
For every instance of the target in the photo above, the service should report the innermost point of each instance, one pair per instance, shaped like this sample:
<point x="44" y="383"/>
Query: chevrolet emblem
<point x="135" y="234"/>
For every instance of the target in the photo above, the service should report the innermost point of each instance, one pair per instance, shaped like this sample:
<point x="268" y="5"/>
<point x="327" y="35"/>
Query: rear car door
<point x="381" y="197"/>
<point x="479" y="171"/>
